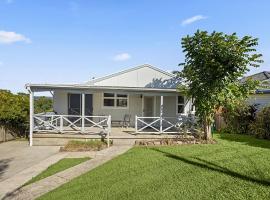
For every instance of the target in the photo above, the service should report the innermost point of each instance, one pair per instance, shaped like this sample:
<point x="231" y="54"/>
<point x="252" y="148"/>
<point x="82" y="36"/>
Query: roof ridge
<point x="129" y="70"/>
<point x="267" y="74"/>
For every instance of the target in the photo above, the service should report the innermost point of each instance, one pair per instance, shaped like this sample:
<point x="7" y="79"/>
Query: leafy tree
<point x="14" y="111"/>
<point x="213" y="65"/>
<point x="43" y="104"/>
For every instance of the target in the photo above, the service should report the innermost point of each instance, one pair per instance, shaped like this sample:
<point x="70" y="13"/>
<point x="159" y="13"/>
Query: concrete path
<point x="19" y="163"/>
<point x="15" y="156"/>
<point x="43" y="186"/>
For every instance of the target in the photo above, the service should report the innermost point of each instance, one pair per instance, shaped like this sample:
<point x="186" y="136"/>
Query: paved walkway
<point x="16" y="156"/>
<point x="43" y="186"/>
<point x="19" y="163"/>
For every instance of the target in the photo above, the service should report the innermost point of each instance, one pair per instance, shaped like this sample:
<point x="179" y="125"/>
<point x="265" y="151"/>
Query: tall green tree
<point x="213" y="65"/>
<point x="14" y="110"/>
<point x="43" y="104"/>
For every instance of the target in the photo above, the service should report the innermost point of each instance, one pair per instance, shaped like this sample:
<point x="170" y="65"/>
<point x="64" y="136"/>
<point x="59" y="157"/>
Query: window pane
<point x="181" y="100"/>
<point x="108" y="94"/>
<point x="180" y="109"/>
<point x="122" y="95"/>
<point x="121" y="102"/>
<point x="108" y="102"/>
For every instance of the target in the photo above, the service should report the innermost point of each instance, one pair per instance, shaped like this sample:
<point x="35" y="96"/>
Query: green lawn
<point x="57" y="167"/>
<point x="238" y="167"/>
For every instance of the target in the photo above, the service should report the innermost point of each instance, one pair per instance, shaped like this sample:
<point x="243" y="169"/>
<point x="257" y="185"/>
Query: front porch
<point x="88" y="112"/>
<point x="58" y="129"/>
<point x="116" y="135"/>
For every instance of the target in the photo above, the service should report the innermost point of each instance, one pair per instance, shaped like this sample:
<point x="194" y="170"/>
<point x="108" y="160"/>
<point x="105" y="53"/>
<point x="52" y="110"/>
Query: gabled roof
<point x="129" y="70"/>
<point x="262" y="76"/>
<point x="48" y="87"/>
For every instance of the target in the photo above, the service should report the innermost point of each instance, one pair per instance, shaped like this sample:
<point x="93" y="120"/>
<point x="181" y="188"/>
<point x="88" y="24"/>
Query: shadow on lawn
<point x="212" y="166"/>
<point x="246" y="139"/>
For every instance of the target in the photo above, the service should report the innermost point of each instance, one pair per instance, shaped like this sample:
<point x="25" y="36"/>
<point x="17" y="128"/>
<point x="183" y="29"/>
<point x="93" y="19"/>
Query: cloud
<point x="193" y="19"/>
<point x="122" y="57"/>
<point x="12" y="37"/>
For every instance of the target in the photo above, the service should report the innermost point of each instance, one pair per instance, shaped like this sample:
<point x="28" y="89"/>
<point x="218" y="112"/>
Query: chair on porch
<point x="126" y="121"/>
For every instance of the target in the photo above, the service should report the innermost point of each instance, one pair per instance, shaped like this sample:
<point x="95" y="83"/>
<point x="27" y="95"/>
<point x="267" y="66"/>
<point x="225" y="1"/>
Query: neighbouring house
<point x="261" y="97"/>
<point x="144" y="98"/>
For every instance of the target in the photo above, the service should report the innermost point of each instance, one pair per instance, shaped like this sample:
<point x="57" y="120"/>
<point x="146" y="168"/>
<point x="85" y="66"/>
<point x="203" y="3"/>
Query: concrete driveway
<point x="16" y="156"/>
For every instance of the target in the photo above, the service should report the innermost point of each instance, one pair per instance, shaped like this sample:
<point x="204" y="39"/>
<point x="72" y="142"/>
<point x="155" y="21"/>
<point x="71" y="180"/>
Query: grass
<point x="88" y="145"/>
<point x="61" y="165"/>
<point x="237" y="167"/>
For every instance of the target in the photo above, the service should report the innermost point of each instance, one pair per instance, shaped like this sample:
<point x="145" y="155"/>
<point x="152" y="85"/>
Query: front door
<point x="75" y="104"/>
<point x="148" y="109"/>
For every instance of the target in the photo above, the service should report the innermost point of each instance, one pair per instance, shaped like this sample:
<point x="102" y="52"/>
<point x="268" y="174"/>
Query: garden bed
<point x="174" y="141"/>
<point x="88" y="145"/>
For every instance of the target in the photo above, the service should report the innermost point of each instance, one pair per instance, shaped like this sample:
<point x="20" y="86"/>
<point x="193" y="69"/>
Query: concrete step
<point x="123" y="142"/>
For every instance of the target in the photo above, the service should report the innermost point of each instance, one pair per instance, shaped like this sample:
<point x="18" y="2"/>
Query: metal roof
<point x="48" y="87"/>
<point x="129" y="70"/>
<point x="262" y="76"/>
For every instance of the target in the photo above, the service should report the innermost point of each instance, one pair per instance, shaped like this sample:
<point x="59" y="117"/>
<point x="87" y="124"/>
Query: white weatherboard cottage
<point x="144" y="98"/>
<point x="261" y="98"/>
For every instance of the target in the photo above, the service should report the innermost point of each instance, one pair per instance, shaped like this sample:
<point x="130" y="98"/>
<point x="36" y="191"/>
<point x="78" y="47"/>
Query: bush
<point x="43" y="104"/>
<point x="261" y="126"/>
<point x="238" y="120"/>
<point x="14" y="112"/>
<point x="88" y="145"/>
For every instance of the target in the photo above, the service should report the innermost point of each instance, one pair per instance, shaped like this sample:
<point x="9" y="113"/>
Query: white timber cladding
<point x="134" y="108"/>
<point x="135" y="105"/>
<point x="60" y="102"/>
<point x="260" y="99"/>
<point x="140" y="77"/>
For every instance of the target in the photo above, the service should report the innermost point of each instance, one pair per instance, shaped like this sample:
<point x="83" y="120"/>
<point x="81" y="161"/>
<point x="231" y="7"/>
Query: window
<point x="180" y="104"/>
<point x="115" y="100"/>
<point x="108" y="99"/>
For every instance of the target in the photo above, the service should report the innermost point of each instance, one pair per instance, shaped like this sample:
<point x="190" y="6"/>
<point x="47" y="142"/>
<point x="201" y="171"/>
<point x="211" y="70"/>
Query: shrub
<point x="238" y="120"/>
<point x="88" y="145"/>
<point x="14" y="112"/>
<point x="261" y="126"/>
<point x="43" y="104"/>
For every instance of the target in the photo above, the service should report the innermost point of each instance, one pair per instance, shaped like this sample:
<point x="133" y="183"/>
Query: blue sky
<point x="62" y="41"/>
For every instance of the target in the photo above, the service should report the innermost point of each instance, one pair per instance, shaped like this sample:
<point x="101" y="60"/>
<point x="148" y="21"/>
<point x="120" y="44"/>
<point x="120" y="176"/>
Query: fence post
<point x="161" y="113"/>
<point x="31" y="124"/>
<point x="136" y="124"/>
<point x="83" y="111"/>
<point x="109" y="130"/>
<point x="61" y="123"/>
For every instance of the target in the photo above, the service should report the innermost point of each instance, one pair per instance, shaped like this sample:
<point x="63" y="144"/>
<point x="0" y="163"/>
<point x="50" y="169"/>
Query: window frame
<point x="180" y="104"/>
<point x="115" y="98"/>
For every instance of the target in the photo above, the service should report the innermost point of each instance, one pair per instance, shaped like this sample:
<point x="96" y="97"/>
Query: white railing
<point x="71" y="123"/>
<point x="163" y="124"/>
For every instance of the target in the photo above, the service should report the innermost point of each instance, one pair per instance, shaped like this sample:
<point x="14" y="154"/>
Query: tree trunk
<point x="207" y="131"/>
